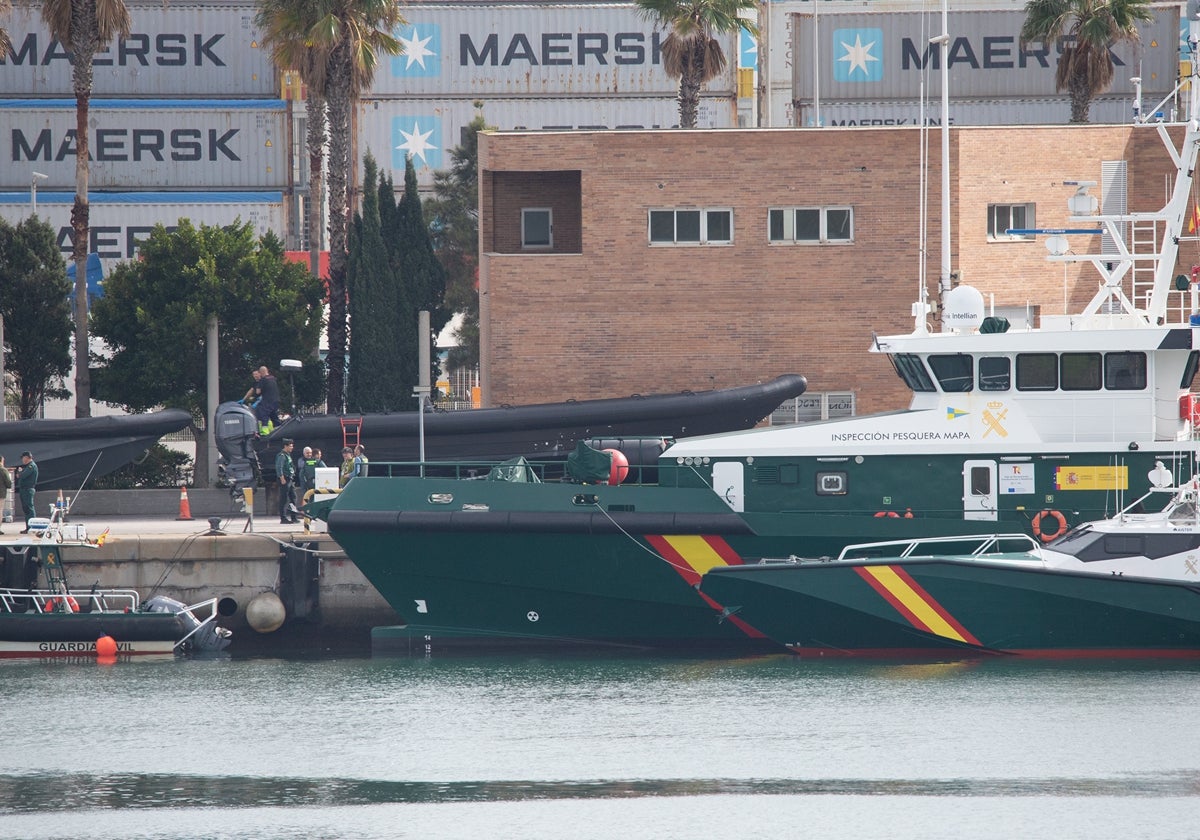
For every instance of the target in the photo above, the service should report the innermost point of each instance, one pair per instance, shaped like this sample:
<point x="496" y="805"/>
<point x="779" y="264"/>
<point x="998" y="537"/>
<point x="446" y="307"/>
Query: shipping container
<point x="429" y="129"/>
<point x="885" y="56"/>
<point x="120" y="220"/>
<point x="534" y="49"/>
<point x="148" y="144"/>
<point x="203" y="49"/>
<point x="962" y="112"/>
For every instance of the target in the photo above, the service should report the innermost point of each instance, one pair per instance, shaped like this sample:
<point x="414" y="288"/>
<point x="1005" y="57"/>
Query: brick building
<point x="656" y="261"/>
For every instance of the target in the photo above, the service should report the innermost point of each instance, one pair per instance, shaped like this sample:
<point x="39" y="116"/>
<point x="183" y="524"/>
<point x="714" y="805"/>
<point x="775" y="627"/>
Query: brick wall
<point x="622" y="316"/>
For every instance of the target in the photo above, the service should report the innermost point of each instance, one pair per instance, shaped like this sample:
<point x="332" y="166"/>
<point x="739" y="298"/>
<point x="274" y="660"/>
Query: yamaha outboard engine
<point x="235" y="427"/>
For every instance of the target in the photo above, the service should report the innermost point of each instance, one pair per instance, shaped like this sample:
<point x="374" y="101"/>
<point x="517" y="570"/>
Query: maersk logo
<point x="422" y="56"/>
<point x="420" y="137"/>
<point x="857" y="55"/>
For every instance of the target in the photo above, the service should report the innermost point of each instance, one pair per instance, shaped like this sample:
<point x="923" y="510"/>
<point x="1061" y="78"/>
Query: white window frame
<point x="537" y="246"/>
<point x="995" y="231"/>
<point x="823" y="238"/>
<point x="675" y="241"/>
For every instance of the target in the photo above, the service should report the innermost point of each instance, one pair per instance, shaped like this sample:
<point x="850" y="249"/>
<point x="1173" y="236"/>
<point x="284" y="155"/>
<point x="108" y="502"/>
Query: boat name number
<point x="890" y="436"/>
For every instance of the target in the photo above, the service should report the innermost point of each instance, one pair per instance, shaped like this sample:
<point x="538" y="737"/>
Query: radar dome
<point x="962" y="308"/>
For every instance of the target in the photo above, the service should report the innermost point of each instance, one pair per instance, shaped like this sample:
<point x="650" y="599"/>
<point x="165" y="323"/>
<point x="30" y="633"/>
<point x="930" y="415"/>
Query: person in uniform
<point x="27" y="478"/>
<point x="6" y="484"/>
<point x="285" y="471"/>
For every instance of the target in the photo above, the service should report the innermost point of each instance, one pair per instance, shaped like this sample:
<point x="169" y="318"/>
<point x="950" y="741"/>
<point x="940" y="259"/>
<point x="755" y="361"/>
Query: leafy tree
<point x="424" y="277"/>
<point x="37" y="316"/>
<point x="1090" y="27"/>
<point x="5" y="43"/>
<point x="378" y="335"/>
<point x="453" y="215"/>
<point x="83" y="27"/>
<point x="161" y="467"/>
<point x="691" y="51"/>
<point x="155" y="311"/>
<point x="285" y="25"/>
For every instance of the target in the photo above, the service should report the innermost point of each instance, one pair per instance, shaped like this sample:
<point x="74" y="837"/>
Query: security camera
<point x="290" y="364"/>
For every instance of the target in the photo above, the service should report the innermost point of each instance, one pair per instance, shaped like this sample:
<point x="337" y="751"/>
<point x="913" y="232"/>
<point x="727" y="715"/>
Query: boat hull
<point x="75" y="634"/>
<point x="945" y="606"/>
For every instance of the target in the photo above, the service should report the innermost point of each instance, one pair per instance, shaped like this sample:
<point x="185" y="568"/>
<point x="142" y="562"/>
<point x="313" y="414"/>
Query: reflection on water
<point x="45" y="794"/>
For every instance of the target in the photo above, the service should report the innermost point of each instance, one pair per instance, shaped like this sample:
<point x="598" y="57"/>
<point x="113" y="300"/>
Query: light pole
<point x="37" y="176"/>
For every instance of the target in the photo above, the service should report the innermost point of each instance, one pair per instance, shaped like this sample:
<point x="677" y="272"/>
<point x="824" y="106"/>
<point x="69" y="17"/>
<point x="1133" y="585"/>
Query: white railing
<point x="102" y="600"/>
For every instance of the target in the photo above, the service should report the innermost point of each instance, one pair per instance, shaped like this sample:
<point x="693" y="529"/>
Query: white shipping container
<point x="148" y="144"/>
<point x="535" y="49"/>
<point x="174" y="49"/>
<point x="118" y="221"/>
<point x="1048" y="111"/>
<point x="429" y="129"/>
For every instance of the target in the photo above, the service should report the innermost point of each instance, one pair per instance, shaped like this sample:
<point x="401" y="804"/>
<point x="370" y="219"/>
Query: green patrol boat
<point x="1030" y="429"/>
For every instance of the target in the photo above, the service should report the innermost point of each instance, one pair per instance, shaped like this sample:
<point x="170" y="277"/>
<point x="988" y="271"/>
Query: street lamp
<point x="37" y="176"/>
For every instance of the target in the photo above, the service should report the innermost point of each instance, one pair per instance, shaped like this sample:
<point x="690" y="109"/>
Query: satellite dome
<point x="962" y="308"/>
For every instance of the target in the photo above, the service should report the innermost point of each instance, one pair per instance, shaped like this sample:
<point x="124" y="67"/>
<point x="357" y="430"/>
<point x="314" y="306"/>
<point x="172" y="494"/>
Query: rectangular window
<point x="956" y="373"/>
<point x="912" y="371"/>
<point x="811" y="225"/>
<point x="1005" y="217"/>
<point x="1080" y="371"/>
<point x="691" y="227"/>
<point x="994" y="373"/>
<point x="537" y="228"/>
<point x="981" y="481"/>
<point x="1037" y="372"/>
<point x="1125" y="371"/>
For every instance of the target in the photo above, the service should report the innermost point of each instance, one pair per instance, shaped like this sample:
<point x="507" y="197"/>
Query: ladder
<point x="351" y="431"/>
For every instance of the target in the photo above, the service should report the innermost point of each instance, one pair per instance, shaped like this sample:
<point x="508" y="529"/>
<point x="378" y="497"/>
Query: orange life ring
<point x="52" y="605"/>
<point x="1049" y="535"/>
<point x="890" y="514"/>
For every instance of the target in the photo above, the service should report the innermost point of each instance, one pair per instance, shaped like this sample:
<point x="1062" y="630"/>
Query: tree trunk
<point x="315" y="140"/>
<point x="689" y="87"/>
<point x="1081" y="98"/>
<point x="337" y="98"/>
<point x="84" y="43"/>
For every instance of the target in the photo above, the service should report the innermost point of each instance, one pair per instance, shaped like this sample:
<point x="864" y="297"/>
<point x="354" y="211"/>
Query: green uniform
<point x="26" y="483"/>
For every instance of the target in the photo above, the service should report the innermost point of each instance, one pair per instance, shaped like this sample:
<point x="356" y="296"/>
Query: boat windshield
<point x="1090" y="546"/>
<point x="912" y="370"/>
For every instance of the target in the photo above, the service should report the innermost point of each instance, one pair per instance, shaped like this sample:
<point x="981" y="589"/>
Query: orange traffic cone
<point x="185" y="509"/>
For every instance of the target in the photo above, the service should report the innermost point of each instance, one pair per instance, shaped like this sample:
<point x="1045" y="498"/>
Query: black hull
<point x="549" y="430"/>
<point x="66" y="451"/>
<point x="87" y="627"/>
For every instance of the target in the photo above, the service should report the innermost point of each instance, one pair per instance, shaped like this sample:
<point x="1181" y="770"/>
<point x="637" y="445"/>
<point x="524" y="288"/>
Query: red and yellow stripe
<point x="694" y="554"/>
<point x="912" y="601"/>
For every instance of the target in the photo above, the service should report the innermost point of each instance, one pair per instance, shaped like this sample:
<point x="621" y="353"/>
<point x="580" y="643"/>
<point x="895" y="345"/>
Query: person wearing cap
<point x="285" y="471"/>
<point x="27" y="477"/>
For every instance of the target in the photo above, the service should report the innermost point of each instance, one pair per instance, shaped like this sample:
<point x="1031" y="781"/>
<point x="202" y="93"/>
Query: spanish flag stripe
<point x="696" y="550"/>
<point x="724" y="550"/>
<point x="865" y="572"/>
<point x="673" y="558"/>
<point x="916" y="602"/>
<point x="935" y="605"/>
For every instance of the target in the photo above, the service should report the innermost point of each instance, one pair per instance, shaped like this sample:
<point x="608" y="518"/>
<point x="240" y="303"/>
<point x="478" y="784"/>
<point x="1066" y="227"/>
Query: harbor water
<point x="598" y="747"/>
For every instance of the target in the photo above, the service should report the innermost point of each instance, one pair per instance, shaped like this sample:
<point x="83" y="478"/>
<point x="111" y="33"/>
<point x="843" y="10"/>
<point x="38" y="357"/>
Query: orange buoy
<point x="619" y="468"/>
<point x="106" y="646"/>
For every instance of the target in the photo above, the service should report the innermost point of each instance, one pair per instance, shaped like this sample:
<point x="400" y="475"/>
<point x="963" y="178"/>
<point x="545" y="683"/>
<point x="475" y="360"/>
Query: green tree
<point x="691" y="51"/>
<point x="285" y="25"/>
<point x="35" y="311"/>
<point x="84" y="27"/>
<point x="1089" y="27"/>
<point x="453" y="215"/>
<point x="155" y="310"/>
<point x="378" y="359"/>
<point x="424" y="277"/>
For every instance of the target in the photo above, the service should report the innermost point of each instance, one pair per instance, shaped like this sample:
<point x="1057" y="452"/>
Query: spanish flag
<point x="1194" y="221"/>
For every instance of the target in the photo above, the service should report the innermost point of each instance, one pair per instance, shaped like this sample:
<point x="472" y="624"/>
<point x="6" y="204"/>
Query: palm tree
<point x="1089" y="27"/>
<point x="5" y="44"/>
<point x="83" y="27"/>
<point x="285" y="25"/>
<point x="691" y="51"/>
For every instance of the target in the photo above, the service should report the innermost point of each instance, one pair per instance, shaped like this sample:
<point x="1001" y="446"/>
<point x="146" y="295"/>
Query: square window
<point x="1125" y="371"/>
<point x="838" y="224"/>
<point x="536" y="227"/>
<point x="1081" y="371"/>
<point x="687" y="225"/>
<point x="1037" y="372"/>
<point x="994" y="373"/>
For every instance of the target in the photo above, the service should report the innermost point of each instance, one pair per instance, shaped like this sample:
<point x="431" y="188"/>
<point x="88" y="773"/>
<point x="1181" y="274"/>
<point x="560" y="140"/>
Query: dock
<point x="326" y="602"/>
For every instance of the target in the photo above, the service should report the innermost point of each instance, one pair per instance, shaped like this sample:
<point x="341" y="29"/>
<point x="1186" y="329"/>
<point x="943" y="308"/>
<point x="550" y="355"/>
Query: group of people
<point x="24" y="479"/>
<point x="296" y="478"/>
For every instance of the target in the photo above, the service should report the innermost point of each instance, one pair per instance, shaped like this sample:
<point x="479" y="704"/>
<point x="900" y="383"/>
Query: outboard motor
<point x="208" y="637"/>
<point x="235" y="427"/>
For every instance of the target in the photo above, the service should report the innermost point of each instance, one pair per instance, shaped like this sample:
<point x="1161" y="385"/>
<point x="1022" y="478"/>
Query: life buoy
<point x="890" y="514"/>
<point x="52" y="605"/>
<point x="1047" y="536"/>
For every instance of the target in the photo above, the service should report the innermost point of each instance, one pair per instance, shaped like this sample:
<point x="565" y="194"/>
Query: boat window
<point x="1090" y="546"/>
<point x="831" y="484"/>
<point x="1189" y="370"/>
<point x="1125" y="371"/>
<point x="912" y="371"/>
<point x="955" y="374"/>
<point x="995" y="373"/>
<point x="981" y="481"/>
<point x="1037" y="372"/>
<point x="1080" y="371"/>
